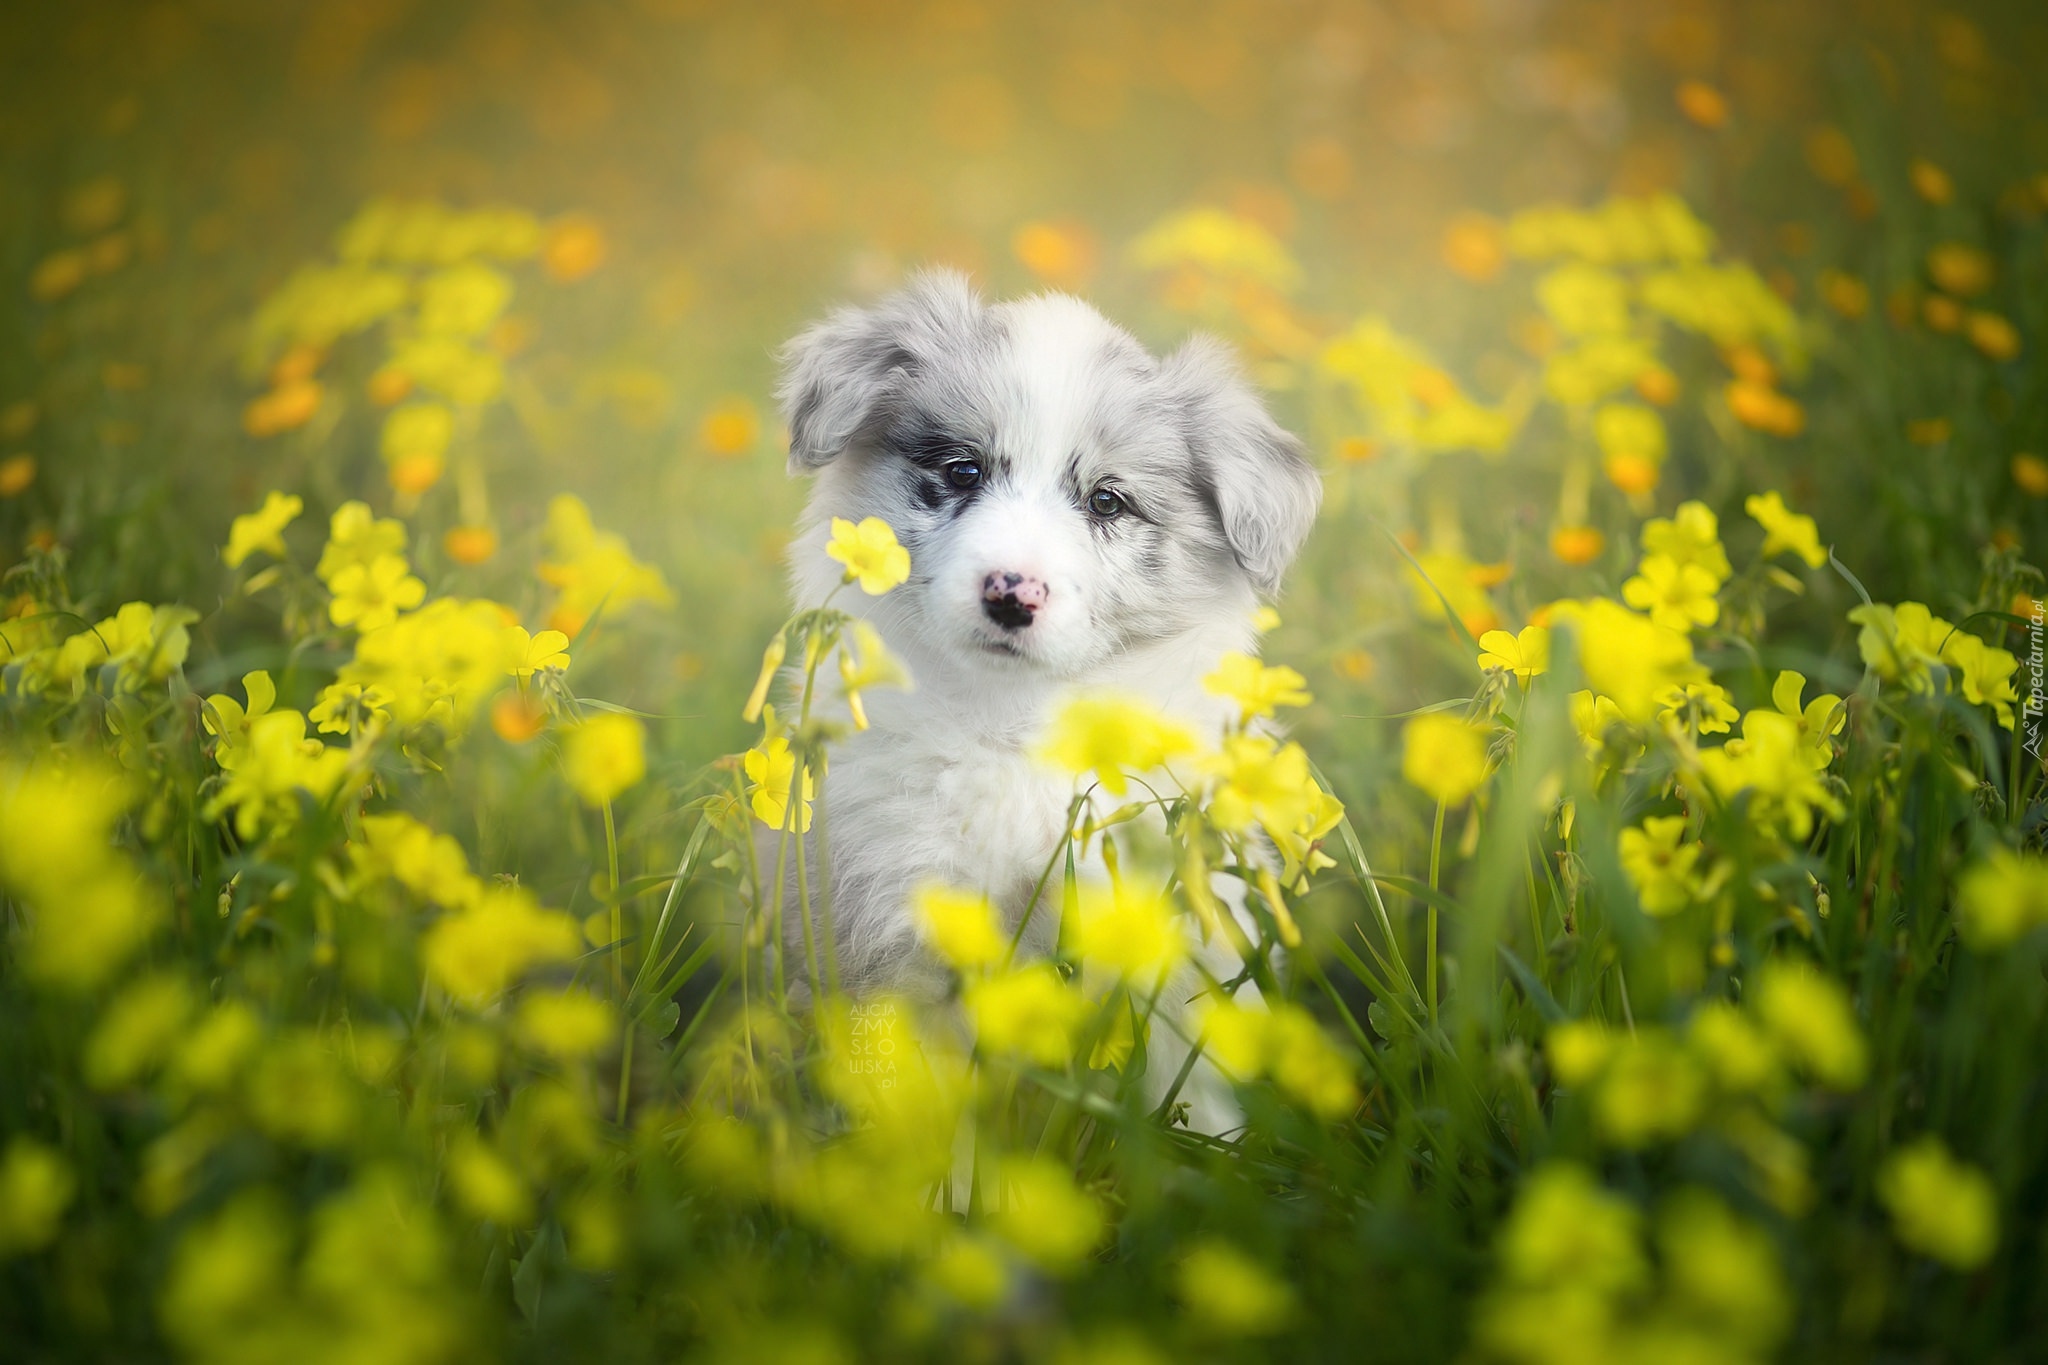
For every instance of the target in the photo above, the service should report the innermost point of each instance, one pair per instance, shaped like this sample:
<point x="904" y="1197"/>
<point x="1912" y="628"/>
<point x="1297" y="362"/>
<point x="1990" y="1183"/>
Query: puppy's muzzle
<point x="1012" y="600"/>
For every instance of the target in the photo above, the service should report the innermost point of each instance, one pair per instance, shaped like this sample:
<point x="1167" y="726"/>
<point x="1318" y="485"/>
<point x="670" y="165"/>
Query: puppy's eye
<point x="1105" y="504"/>
<point x="964" y="474"/>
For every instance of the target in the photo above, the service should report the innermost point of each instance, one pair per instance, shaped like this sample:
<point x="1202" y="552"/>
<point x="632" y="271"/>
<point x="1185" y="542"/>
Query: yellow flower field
<point x="410" y="953"/>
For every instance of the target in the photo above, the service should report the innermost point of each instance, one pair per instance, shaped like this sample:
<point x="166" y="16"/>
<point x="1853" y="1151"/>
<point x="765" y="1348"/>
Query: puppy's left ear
<point x="1266" y="492"/>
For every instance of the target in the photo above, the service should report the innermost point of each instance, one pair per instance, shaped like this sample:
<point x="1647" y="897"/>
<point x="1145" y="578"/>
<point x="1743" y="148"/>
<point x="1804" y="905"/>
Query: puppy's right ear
<point x="841" y="377"/>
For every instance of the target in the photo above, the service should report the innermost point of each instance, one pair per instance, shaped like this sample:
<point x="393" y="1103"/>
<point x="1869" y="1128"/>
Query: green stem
<point x="1436" y="850"/>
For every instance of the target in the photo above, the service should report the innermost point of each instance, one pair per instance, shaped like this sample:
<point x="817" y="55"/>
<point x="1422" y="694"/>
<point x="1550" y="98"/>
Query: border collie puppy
<point x="1080" y="515"/>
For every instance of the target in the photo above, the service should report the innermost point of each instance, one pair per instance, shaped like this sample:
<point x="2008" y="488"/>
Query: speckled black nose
<point x="1012" y="600"/>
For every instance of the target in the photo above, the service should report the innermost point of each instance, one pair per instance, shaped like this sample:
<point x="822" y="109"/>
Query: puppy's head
<point x="1064" y="495"/>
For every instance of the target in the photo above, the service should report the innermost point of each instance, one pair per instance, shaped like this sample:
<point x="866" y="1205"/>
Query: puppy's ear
<point x="1264" y="489"/>
<point x="841" y="376"/>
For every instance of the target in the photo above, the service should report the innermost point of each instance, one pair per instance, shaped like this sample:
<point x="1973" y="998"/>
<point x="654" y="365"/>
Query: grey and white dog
<point x="1080" y="515"/>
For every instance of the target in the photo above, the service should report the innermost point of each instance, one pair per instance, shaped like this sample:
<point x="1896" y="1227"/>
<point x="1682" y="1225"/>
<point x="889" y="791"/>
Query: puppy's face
<point x="1064" y="496"/>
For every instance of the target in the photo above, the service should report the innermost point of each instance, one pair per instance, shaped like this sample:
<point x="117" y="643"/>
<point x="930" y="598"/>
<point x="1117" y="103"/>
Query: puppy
<point x="1080" y="515"/>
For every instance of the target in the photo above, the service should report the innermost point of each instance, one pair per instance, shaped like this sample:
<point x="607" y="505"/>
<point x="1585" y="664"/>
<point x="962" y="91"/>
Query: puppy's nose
<point x="1011" y="600"/>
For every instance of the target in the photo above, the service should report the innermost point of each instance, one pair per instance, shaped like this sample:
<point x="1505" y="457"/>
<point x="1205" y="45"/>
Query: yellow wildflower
<point x="356" y="535"/>
<point x="1691" y="536"/>
<point x="1650" y="1090"/>
<point x="1585" y="300"/>
<point x="1579" y="1050"/>
<point x="1111" y="736"/>
<point x="1660" y="864"/>
<point x="1029" y="1012"/>
<point x="1724" y="1270"/>
<point x="462" y="300"/>
<point x="1785" y="529"/>
<point x="1217" y="243"/>
<point x="1940" y="1207"/>
<point x="531" y="653"/>
<point x="486" y="1184"/>
<point x="36" y="1186"/>
<point x="1257" y="688"/>
<point x="567" y="1024"/>
<point x="1698" y="708"/>
<point x="593" y="568"/>
<point x="1283" y="1043"/>
<point x="871" y="554"/>
<point x="1960" y="269"/>
<point x="2001" y="899"/>
<point x="262" y="529"/>
<point x="1627" y="659"/>
<point x="367" y="596"/>
<point x="1676" y="596"/>
<point x="1129" y="929"/>
<point x="603" y="756"/>
<point x="1229" y="1292"/>
<point x="1738" y="1053"/>
<point x="1812" y="1020"/>
<point x="960" y="926"/>
<point x="1444" y="755"/>
<point x="1263" y="782"/>
<point x="1040" y="1212"/>
<point x="1772" y="762"/>
<point x="771" y="769"/>
<point x="479" y="950"/>
<point x="1819" y="720"/>
<point x="1524" y="655"/>
<point x="278" y="762"/>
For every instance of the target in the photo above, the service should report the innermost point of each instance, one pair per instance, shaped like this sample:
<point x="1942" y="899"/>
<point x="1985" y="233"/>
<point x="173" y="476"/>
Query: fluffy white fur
<point x="1053" y="406"/>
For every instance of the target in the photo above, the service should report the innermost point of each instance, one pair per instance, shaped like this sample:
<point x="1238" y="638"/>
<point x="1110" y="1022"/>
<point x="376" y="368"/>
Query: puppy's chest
<point x="959" y="807"/>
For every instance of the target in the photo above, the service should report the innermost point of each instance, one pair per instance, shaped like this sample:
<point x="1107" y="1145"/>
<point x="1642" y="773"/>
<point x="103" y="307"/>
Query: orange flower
<point x="1765" y="409"/>
<point x="1941" y="313"/>
<point x="1577" y="544"/>
<point x="1358" y="450"/>
<point x="1632" y="474"/>
<point x="1960" y="269"/>
<point x="1702" y="103"/>
<point x="1752" y="366"/>
<point x="2030" y="472"/>
<point x="1845" y="294"/>
<point x="469" y="544"/>
<point x="415" y="473"/>
<point x="389" y="385"/>
<point x="1992" y="335"/>
<point x="1658" y="385"/>
<point x="574" y="248"/>
<point x="516" y="716"/>
<point x="1063" y="253"/>
<point x="295" y="364"/>
<point x="282" y="409"/>
<point x="1475" y="246"/>
<point x="730" y="428"/>
<point x="17" y="472"/>
<point x="1930" y="432"/>
<point x="1931" y="182"/>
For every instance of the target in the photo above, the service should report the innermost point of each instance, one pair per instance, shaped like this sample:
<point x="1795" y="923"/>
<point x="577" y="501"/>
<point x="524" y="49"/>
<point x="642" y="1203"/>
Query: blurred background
<point x="705" y="178"/>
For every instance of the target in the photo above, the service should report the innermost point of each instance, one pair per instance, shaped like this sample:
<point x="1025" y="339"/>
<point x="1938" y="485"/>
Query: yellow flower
<point x="1257" y="688"/>
<point x="486" y="1184"/>
<point x="1676" y="596"/>
<point x="1960" y="269"/>
<point x="1742" y="1058"/>
<point x="2001" y="900"/>
<point x="532" y="653"/>
<point x="1225" y="245"/>
<point x="1691" y="536"/>
<point x="593" y="568"/>
<point x="1650" y="1090"/>
<point x="1129" y="929"/>
<point x="225" y="717"/>
<point x="262" y="529"/>
<point x="1785" y="530"/>
<point x="772" y="769"/>
<point x="278" y="762"/>
<point x="1992" y="334"/>
<point x="603" y="756"/>
<point x="137" y="1031"/>
<point x="1812" y="1020"/>
<point x="960" y="926"/>
<point x="417" y="431"/>
<point x="567" y="1024"/>
<point x="1698" y="708"/>
<point x="36" y="1186"/>
<point x="1630" y="430"/>
<point x="1819" y="720"/>
<point x="1725" y="1270"/>
<point x="1585" y="300"/>
<point x="1110" y="736"/>
<point x="1044" y="1215"/>
<point x="1444" y="755"/>
<point x="1579" y="1050"/>
<point x="1524" y="655"/>
<point x="1627" y="659"/>
<point x="871" y="554"/>
<point x="1283" y="1043"/>
<point x="1903" y="643"/>
<point x="367" y="596"/>
<point x="1229" y="1292"/>
<point x="475" y="953"/>
<point x="356" y="535"/>
<point x="1029" y="1013"/>
<point x="1772" y="762"/>
<point x="864" y="662"/>
<point x="1940" y="1207"/>
<point x="1263" y="782"/>
<point x="1660" y="864"/>
<point x="462" y="300"/>
<point x="1565" y="1228"/>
